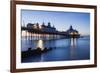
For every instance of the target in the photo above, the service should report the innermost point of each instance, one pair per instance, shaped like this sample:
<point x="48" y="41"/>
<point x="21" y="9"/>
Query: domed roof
<point x="71" y="30"/>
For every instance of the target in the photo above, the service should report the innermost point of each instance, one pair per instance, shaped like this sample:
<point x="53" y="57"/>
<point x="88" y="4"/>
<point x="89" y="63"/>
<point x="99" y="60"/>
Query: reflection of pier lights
<point x="42" y="57"/>
<point x="54" y="36"/>
<point x="47" y="36"/>
<point x="26" y="35"/>
<point x="39" y="36"/>
<point x="51" y="36"/>
<point x="36" y="36"/>
<point x="73" y="43"/>
<point x="30" y="36"/>
<point x="43" y="36"/>
<point x="33" y="36"/>
<point x="60" y="36"/>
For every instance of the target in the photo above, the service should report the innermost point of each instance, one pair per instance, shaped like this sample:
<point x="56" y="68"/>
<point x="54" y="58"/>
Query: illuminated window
<point x="35" y="26"/>
<point x="75" y="33"/>
<point x="71" y="33"/>
<point x="40" y="27"/>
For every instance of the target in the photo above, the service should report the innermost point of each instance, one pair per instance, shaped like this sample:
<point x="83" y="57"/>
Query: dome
<point x="72" y="31"/>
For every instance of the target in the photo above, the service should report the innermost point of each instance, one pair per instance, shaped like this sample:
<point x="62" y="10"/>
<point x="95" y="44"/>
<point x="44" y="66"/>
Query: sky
<point x="61" y="20"/>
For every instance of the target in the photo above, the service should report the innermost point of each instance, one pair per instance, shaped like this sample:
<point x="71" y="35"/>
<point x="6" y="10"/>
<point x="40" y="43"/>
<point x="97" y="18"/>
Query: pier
<point x="43" y="31"/>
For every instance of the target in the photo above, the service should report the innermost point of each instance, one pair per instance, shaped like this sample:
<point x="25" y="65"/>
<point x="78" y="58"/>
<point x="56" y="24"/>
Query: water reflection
<point x="73" y="45"/>
<point x="42" y="58"/>
<point x="40" y="44"/>
<point x="62" y="49"/>
<point x="73" y="42"/>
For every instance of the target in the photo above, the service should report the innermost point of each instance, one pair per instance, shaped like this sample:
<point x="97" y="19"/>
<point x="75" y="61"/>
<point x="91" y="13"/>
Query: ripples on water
<point x="63" y="49"/>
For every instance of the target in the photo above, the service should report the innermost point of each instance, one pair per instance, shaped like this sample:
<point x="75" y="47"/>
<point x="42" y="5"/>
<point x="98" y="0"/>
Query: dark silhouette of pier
<point x="49" y="30"/>
<point x="39" y="31"/>
<point x="54" y="33"/>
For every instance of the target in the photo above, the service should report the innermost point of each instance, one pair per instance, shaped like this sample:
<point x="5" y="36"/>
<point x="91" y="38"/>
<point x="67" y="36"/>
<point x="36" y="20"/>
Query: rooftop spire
<point x="49" y="24"/>
<point x="71" y="28"/>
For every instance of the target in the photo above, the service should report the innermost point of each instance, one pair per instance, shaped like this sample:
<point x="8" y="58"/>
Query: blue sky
<point x="61" y="20"/>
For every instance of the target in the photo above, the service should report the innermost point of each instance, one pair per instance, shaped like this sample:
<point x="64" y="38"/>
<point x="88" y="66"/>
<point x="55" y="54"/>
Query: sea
<point x="65" y="49"/>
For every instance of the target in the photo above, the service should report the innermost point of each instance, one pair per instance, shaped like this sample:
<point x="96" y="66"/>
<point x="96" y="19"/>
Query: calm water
<point x="63" y="49"/>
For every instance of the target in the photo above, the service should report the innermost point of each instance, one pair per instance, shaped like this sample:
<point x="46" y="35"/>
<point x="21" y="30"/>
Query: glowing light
<point x="71" y="33"/>
<point x="23" y="33"/>
<point x="40" y="44"/>
<point x="40" y="27"/>
<point x="35" y="27"/>
<point x="75" y="33"/>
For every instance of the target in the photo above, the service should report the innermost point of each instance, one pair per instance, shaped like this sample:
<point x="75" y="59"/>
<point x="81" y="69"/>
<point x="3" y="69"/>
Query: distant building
<point x="48" y="28"/>
<point x="33" y="25"/>
<point x="30" y="25"/>
<point x="43" y="27"/>
<point x="72" y="32"/>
